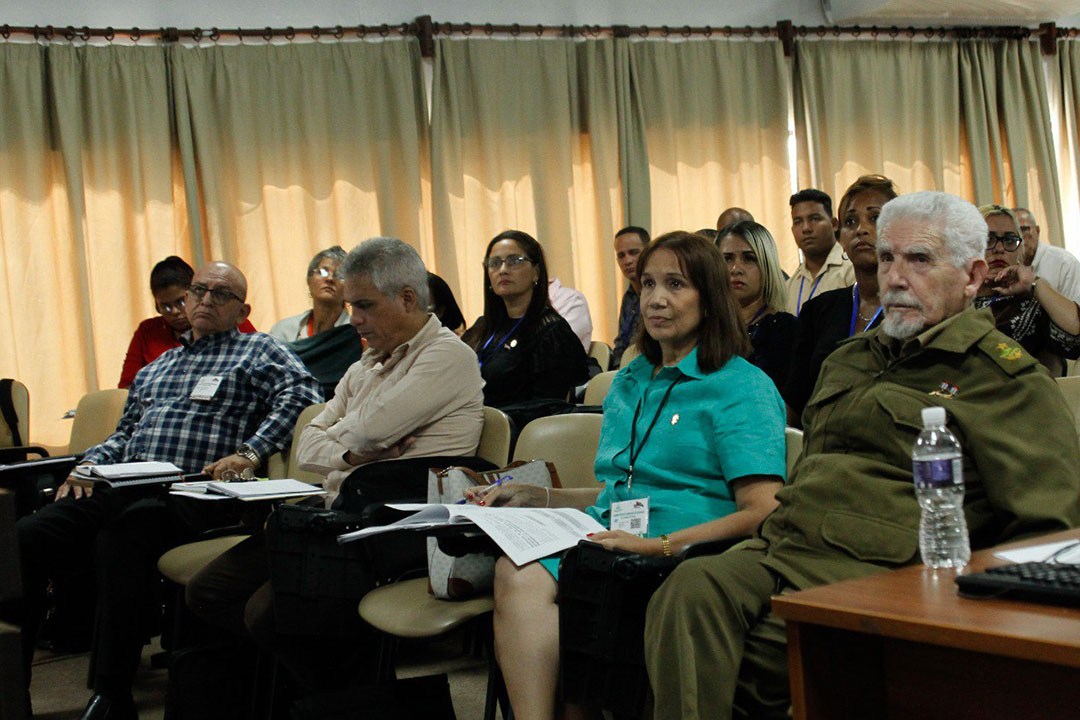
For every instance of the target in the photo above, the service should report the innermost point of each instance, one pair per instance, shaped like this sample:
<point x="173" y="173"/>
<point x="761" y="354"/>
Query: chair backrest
<point x="20" y="401"/>
<point x="629" y="354"/>
<point x="1070" y="388"/>
<point x="96" y="417"/>
<point x="596" y="389"/>
<point x="601" y="352"/>
<point x="292" y="467"/>
<point x="495" y="437"/>
<point x="568" y="441"/>
<point x="793" y="438"/>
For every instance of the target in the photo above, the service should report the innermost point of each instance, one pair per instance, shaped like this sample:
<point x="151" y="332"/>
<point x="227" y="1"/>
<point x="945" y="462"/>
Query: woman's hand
<point x="511" y="495"/>
<point x="622" y="540"/>
<point x="1015" y="280"/>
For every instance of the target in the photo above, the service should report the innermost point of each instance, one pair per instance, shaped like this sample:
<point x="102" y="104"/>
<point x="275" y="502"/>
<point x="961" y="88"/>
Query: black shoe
<point x="101" y="707"/>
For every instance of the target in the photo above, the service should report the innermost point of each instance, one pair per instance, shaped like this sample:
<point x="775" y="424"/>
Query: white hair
<point x="959" y="223"/>
<point x="392" y="265"/>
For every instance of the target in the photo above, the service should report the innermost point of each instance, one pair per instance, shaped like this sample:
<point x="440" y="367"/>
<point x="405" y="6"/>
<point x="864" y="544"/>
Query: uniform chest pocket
<point x="904" y="409"/>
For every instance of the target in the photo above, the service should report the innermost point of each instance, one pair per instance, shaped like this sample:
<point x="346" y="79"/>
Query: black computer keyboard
<point x="1037" y="581"/>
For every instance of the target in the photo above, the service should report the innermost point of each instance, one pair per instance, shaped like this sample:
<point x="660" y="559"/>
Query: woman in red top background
<point x="169" y="281"/>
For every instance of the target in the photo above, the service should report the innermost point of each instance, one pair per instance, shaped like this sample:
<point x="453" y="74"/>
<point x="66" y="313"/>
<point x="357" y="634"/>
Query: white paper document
<point x="524" y="534"/>
<point x="246" y="491"/>
<point x="124" y="471"/>
<point x="1043" y="553"/>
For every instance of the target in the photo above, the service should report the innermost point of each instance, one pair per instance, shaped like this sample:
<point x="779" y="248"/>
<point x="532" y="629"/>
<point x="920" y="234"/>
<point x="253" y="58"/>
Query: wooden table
<point x="903" y="644"/>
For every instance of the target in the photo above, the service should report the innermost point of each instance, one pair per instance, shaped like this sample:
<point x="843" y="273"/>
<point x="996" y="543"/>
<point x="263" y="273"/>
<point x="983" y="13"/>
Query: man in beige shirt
<point x="824" y="266"/>
<point x="416" y="392"/>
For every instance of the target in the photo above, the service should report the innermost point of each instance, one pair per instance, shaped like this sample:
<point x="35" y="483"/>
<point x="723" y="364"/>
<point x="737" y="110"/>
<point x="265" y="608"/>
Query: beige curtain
<point x="715" y="117"/>
<point x="1069" y="127"/>
<point x="524" y="136"/>
<point x="293" y="148"/>
<point x="90" y="198"/>
<point x="1007" y="117"/>
<point x="970" y="118"/>
<point x="880" y="107"/>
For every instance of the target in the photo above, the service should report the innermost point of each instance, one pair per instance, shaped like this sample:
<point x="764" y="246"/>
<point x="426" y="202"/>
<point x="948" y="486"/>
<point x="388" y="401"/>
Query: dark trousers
<point x="233" y="592"/>
<point x="120" y="534"/>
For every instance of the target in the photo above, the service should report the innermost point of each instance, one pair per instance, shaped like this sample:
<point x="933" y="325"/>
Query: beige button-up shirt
<point x="836" y="273"/>
<point x="428" y="388"/>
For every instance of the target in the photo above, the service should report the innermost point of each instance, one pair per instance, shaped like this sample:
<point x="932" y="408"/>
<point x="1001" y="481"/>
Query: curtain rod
<point x="425" y="30"/>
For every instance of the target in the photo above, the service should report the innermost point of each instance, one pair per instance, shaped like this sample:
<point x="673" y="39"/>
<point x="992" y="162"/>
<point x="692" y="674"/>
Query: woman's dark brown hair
<point x="495" y="316"/>
<point x="865" y="183"/>
<point x="722" y="333"/>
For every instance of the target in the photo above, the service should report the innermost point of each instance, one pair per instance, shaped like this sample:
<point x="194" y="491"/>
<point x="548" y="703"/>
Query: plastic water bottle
<point x="938" y="467"/>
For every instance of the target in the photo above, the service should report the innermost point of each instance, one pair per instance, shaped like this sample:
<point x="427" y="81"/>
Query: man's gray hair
<point x="335" y="253"/>
<point x="958" y="222"/>
<point x="392" y="265"/>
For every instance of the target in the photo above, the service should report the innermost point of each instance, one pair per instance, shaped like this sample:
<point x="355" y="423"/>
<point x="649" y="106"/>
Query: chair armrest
<point x="18" y="453"/>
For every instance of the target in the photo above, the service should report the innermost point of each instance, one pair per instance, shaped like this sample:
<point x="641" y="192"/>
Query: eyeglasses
<point x="325" y="274"/>
<point x="1008" y="241"/>
<point x="218" y="296"/>
<point x="176" y="305"/>
<point x="512" y="261"/>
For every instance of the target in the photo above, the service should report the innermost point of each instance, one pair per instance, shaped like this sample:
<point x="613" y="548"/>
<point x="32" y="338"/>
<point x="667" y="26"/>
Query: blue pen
<point x="486" y="490"/>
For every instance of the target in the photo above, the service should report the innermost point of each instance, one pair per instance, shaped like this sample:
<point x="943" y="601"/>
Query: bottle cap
<point x="933" y="417"/>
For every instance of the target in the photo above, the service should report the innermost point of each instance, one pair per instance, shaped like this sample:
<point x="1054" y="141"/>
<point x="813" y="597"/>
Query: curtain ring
<point x="215" y="34"/>
<point x="49" y="30"/>
<point x="339" y="32"/>
<point x="196" y="34"/>
<point x="5" y="31"/>
<point x="489" y="29"/>
<point x="268" y="34"/>
<point x="686" y="32"/>
<point x="384" y="30"/>
<point x="894" y="31"/>
<point x="109" y="34"/>
<point x="361" y="31"/>
<point x="539" y="30"/>
<point x="136" y="34"/>
<point x="315" y="32"/>
<point x="69" y="33"/>
<point x="708" y="31"/>
<point x="515" y="30"/>
<point x="466" y="29"/>
<point x="290" y="32"/>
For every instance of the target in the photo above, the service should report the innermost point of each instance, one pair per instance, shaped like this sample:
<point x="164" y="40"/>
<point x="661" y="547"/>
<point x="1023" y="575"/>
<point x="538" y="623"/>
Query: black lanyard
<point x="633" y="430"/>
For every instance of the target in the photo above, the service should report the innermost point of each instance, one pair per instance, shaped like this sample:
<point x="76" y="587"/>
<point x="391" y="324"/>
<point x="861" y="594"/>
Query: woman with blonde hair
<point x="758" y="286"/>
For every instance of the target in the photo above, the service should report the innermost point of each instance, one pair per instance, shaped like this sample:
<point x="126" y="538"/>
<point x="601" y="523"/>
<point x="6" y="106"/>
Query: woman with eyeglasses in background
<point x="1032" y="313"/>
<point x="327" y="300"/>
<point x="529" y="357"/>
<point x="169" y="281"/>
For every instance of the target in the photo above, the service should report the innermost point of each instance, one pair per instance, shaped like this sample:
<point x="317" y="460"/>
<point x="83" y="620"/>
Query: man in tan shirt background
<point x="824" y="266"/>
<point x="415" y="393"/>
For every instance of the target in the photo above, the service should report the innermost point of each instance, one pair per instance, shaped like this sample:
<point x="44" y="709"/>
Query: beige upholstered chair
<point x="96" y="417"/>
<point x="597" y="388"/>
<point x="601" y="352"/>
<point x="793" y="438"/>
<point x="1070" y="388"/>
<point x="495" y="437"/>
<point x="568" y="441"/>
<point x="629" y="354"/>
<point x="20" y="399"/>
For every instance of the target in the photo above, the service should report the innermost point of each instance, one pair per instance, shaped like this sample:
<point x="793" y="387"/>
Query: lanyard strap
<point x="855" y="311"/>
<point x="813" y="289"/>
<point x="483" y="350"/>
<point x="633" y="429"/>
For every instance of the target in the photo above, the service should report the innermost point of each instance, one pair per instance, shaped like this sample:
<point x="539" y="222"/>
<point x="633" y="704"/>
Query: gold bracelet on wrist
<point x="667" y="545"/>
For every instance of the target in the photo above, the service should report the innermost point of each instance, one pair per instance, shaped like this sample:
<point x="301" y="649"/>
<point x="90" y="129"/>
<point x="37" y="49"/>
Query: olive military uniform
<point x="714" y="649"/>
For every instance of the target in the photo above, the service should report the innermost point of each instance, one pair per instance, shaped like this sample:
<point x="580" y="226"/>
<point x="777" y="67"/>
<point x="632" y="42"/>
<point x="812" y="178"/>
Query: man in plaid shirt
<point x="221" y="403"/>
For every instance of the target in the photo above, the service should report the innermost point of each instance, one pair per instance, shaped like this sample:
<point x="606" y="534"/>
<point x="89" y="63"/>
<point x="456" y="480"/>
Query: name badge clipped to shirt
<point x="631" y="516"/>
<point x="207" y="387"/>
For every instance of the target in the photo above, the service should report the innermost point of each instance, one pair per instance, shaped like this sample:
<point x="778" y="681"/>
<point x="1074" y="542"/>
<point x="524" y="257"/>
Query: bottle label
<point x="938" y="473"/>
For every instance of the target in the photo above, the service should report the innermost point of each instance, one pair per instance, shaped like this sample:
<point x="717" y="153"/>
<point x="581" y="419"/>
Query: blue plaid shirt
<point x="264" y="386"/>
<point x="629" y="314"/>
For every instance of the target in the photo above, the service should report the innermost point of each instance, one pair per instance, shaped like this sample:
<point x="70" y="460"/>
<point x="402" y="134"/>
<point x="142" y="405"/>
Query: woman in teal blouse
<point x="689" y="424"/>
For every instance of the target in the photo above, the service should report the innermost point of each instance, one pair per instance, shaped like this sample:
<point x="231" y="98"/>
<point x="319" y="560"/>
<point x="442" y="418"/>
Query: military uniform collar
<point x="957" y="334"/>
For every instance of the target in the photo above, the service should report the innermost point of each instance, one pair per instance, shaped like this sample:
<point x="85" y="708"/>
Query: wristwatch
<point x="248" y="453"/>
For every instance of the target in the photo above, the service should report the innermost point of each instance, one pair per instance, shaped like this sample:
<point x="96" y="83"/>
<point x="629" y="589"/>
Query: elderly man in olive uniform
<point x="713" y="648"/>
